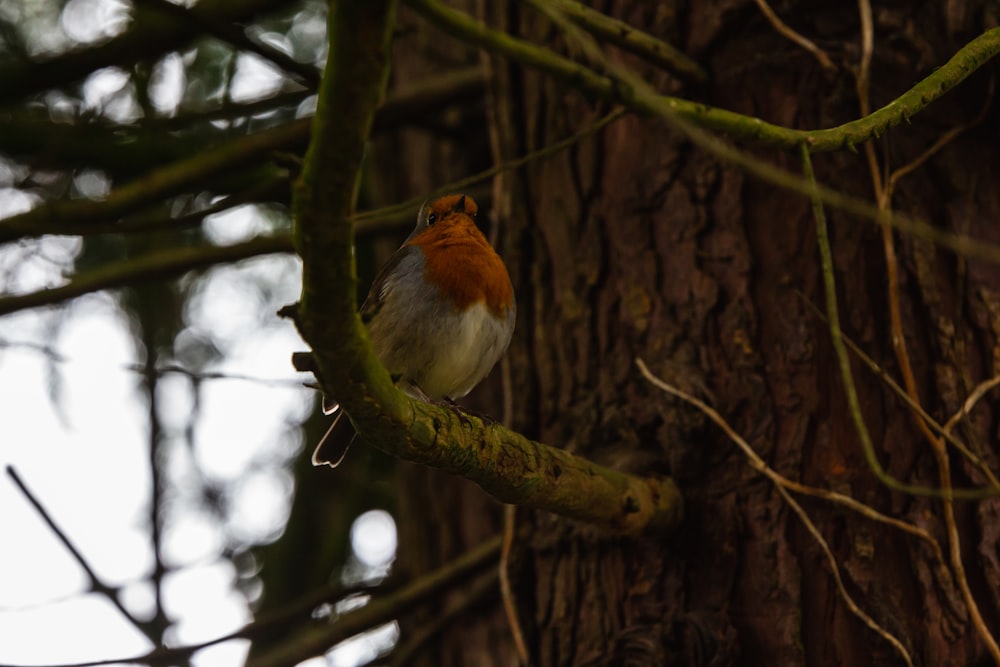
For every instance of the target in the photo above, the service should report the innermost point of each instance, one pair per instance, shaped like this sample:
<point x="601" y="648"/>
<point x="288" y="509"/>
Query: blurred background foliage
<point x="198" y="114"/>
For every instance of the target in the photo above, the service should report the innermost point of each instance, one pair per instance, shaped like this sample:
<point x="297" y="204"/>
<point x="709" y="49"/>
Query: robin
<point x="440" y="311"/>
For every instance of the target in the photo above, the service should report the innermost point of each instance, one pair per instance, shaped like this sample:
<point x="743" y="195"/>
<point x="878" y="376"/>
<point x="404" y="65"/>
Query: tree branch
<point x="633" y="40"/>
<point x="396" y="600"/>
<point x="690" y="118"/>
<point x="314" y="640"/>
<point x="85" y="216"/>
<point x="306" y="74"/>
<point x="96" y="584"/>
<point x="63" y="217"/>
<point x="506" y="464"/>
<point x="740" y="127"/>
<point x="150" y="266"/>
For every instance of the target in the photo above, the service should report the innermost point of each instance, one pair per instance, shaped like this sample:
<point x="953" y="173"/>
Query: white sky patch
<point x="92" y="184"/>
<point x="237" y="224"/>
<point x="190" y="537"/>
<point x="186" y="592"/>
<point x="37" y="263"/>
<point x="373" y="538"/>
<point x="366" y="647"/>
<point x="14" y="201"/>
<point x="254" y="78"/>
<point x="88" y="21"/>
<point x="261" y="503"/>
<point x="84" y="624"/>
<point x="167" y="83"/>
<point x="109" y="92"/>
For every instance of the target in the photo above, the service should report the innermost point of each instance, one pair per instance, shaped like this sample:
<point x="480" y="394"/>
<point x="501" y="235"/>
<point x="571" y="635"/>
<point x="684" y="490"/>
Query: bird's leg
<point x="465" y="413"/>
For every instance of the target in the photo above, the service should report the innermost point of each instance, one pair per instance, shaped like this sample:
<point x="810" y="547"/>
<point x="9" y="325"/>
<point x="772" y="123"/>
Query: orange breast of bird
<point x="462" y="263"/>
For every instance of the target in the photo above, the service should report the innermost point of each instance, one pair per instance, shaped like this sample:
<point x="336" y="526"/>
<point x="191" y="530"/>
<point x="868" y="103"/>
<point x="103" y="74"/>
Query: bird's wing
<point x="381" y="285"/>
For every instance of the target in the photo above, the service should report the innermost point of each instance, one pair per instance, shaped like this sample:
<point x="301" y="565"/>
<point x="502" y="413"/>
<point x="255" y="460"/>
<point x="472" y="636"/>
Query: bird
<point x="440" y="312"/>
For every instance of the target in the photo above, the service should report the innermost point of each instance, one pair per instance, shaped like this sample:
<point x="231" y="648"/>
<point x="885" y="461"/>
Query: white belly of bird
<point x="466" y="353"/>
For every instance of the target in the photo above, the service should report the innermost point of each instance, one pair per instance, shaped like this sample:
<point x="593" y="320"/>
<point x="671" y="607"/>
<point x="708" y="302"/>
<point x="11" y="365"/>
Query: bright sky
<point x="74" y="426"/>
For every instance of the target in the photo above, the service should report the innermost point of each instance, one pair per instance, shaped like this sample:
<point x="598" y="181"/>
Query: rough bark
<point x="637" y="244"/>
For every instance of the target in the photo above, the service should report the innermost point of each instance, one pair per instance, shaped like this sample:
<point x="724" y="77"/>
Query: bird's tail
<point x="333" y="446"/>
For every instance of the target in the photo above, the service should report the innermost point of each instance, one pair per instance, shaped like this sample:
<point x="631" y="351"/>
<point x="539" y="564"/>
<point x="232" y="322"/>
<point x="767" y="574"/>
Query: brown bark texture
<point x="636" y="243"/>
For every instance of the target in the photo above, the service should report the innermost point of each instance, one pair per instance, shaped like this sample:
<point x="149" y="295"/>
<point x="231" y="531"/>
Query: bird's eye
<point x="432" y="218"/>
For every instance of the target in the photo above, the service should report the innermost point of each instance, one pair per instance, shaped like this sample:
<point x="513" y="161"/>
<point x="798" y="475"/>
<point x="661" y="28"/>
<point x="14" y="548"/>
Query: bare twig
<point x="95" y="582"/>
<point x="313" y="640"/>
<point x="506" y="592"/>
<point x="396" y="600"/>
<point x="970" y="402"/>
<point x="227" y="32"/>
<point x="786" y="31"/>
<point x="946" y="492"/>
<point x="474" y="595"/>
<point x="157" y="265"/>
<point x="633" y="40"/>
<point x="913" y="405"/>
<point x="758" y="464"/>
<point x="835" y="571"/>
<point x="784" y="484"/>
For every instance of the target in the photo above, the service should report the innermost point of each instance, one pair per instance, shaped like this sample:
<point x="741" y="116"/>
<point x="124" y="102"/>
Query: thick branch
<point x="151" y="266"/>
<point x="740" y="127"/>
<point x="83" y="216"/>
<point x="504" y="463"/>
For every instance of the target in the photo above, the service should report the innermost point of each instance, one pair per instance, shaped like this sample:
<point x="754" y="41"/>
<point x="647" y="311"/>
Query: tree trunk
<point x="635" y="243"/>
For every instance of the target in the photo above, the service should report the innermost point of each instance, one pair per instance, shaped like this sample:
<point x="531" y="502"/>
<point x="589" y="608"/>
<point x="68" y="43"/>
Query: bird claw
<point x="464" y="413"/>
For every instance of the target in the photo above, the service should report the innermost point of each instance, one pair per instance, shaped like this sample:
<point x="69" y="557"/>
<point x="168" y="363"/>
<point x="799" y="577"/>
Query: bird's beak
<point x="459" y="206"/>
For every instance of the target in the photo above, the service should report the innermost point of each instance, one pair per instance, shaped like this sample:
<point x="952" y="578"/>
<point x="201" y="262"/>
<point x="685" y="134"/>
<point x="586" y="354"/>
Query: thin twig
<point x="633" y="40"/>
<point x="693" y="119"/>
<point x="900" y="392"/>
<point x="95" y="582"/>
<point x="945" y="492"/>
<point x="366" y="218"/>
<point x="315" y="639"/>
<point x="306" y="74"/>
<point x="506" y="591"/>
<point x="970" y="402"/>
<point x="784" y="30"/>
<point x="295" y="612"/>
<point x="158" y="265"/>
<point x="784" y="485"/>
<point x="844" y="362"/>
<point x="475" y="594"/>
<point x="835" y="571"/>
<point x="758" y="464"/>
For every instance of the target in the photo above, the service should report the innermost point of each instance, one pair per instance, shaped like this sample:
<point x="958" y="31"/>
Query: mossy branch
<point x="844" y="362"/>
<point x="633" y="40"/>
<point x="218" y="166"/>
<point x="737" y="126"/>
<point x="507" y="465"/>
<point x="692" y="119"/>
